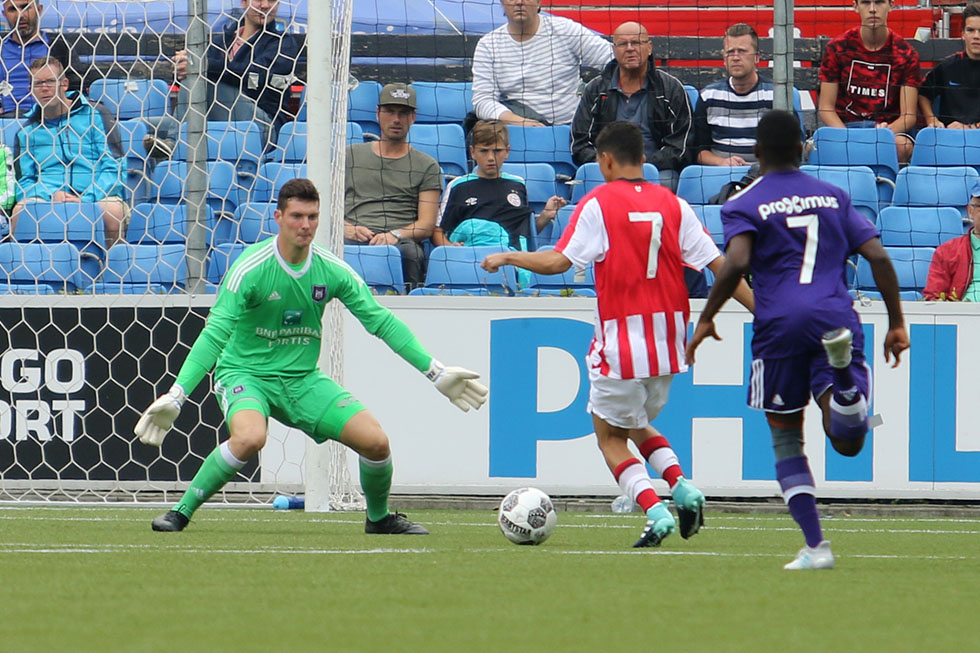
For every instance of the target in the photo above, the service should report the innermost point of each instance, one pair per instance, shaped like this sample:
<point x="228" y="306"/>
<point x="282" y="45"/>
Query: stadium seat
<point x="10" y="127"/>
<point x="223" y="195"/>
<point x="571" y="282"/>
<point x="457" y="271"/>
<point x="41" y="269"/>
<point x="132" y="98"/>
<point x="252" y="222"/>
<point x="931" y="186"/>
<point x="588" y="177"/>
<point x="856" y="181"/>
<point x="911" y="266"/>
<point x="379" y="266"/>
<point x="80" y="224"/>
<point x="362" y="106"/>
<point x="271" y="178"/>
<point x="947" y="147"/>
<point x="710" y="217"/>
<point x="918" y="226"/>
<point x="131" y="134"/>
<point x="238" y="142"/>
<point x="444" y="142"/>
<point x="698" y="184"/>
<point x="159" y="224"/>
<point x="548" y="237"/>
<point x="220" y="259"/>
<point x="861" y="146"/>
<point x="693" y="96"/>
<point x="543" y="145"/>
<point x="443" y="101"/>
<point x="137" y="269"/>
<point x="539" y="178"/>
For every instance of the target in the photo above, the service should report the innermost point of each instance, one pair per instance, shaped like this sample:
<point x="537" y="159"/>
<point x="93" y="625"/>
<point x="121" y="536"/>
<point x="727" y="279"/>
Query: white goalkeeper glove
<point x="458" y="384"/>
<point x="159" y="417"/>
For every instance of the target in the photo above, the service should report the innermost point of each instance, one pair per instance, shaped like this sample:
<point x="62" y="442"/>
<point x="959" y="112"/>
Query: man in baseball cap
<point x="951" y="275"/>
<point x="398" y="94"/>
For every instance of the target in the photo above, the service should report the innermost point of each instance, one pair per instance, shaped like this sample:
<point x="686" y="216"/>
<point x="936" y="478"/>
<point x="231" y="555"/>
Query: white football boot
<point x="818" y="557"/>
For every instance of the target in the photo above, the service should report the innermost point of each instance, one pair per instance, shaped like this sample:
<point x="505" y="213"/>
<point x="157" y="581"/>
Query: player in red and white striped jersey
<point x="639" y="236"/>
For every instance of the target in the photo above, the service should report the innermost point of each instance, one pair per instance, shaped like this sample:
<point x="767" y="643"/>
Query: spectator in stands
<point x="489" y="207"/>
<point x="250" y="67"/>
<point x="955" y="81"/>
<point x="951" y="271"/>
<point x="391" y="189"/>
<point x="634" y="89"/>
<point x="23" y="43"/>
<point x="63" y="153"/>
<point x="869" y="77"/>
<point x="527" y="72"/>
<point x="729" y="110"/>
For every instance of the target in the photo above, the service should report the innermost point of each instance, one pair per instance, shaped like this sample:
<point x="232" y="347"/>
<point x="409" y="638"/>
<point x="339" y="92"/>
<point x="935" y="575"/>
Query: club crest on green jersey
<point x="291" y="318"/>
<point x="319" y="293"/>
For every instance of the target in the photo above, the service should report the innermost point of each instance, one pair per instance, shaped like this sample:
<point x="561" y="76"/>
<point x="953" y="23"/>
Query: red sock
<point x="662" y="458"/>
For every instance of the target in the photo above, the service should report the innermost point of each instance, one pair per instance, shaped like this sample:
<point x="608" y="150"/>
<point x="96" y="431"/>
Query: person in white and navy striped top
<point x="729" y="110"/>
<point x="527" y="72"/>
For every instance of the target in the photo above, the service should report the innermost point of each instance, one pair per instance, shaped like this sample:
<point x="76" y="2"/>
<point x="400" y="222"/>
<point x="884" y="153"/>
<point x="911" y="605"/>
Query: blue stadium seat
<point x="40" y="269"/>
<point x="947" y="147"/>
<point x="548" y="237"/>
<point x="919" y="226"/>
<point x="710" y="217"/>
<point x="159" y="224"/>
<point x="238" y="142"/>
<point x="271" y="178"/>
<point x="354" y="133"/>
<point x="132" y="98"/>
<point x="442" y="101"/>
<point x="539" y="178"/>
<point x="10" y="127"/>
<point x="856" y="181"/>
<point x="571" y="282"/>
<point x="362" y="107"/>
<point x="131" y="134"/>
<point x="698" y="184"/>
<point x="80" y="224"/>
<point x="543" y="145"/>
<point x="224" y="190"/>
<point x="457" y="271"/>
<point x="252" y="222"/>
<point x="379" y="265"/>
<point x="588" y="177"/>
<point x="220" y="259"/>
<point x="929" y="186"/>
<point x="860" y="146"/>
<point x="138" y="269"/>
<point x="693" y="96"/>
<point x="445" y="142"/>
<point x="911" y="266"/>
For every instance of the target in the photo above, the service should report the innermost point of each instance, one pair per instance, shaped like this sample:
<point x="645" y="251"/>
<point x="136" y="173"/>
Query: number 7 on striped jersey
<point x="656" y="220"/>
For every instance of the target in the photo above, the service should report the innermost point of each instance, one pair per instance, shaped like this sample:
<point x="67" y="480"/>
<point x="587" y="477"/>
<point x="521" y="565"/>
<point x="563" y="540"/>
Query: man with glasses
<point x="63" y="153"/>
<point x="729" y="110"/>
<point x="633" y="89"/>
<point x="391" y="189"/>
<point x="953" y="271"/>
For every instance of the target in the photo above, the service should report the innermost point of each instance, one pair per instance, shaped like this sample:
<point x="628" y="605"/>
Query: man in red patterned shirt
<point x="869" y="77"/>
<point x="639" y="236"/>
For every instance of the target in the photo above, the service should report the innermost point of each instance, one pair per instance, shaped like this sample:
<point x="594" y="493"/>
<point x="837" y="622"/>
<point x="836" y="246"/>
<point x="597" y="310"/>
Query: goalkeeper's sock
<point x="376" y="484"/>
<point x="662" y="458"/>
<point x="218" y="468"/>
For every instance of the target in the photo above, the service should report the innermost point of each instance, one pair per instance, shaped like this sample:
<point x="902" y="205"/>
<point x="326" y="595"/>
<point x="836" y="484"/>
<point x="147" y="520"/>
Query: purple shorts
<point x="784" y="385"/>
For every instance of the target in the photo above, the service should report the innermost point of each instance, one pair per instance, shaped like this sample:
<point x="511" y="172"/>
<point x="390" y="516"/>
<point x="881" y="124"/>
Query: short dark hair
<point x="744" y="29"/>
<point x="623" y="140"/>
<point x="41" y="62"/>
<point x="778" y="138"/>
<point x="300" y="189"/>
<point x="972" y="10"/>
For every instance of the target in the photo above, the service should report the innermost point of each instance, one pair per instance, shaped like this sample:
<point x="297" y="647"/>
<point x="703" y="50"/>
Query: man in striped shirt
<point x="639" y="236"/>
<point x="729" y="110"/>
<point x="527" y="72"/>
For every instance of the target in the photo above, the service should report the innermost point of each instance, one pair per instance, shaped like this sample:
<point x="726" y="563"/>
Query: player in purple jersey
<point x="794" y="233"/>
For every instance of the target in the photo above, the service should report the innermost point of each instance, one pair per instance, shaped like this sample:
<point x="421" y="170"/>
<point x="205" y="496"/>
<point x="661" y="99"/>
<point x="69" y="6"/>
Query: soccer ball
<point x="527" y="516"/>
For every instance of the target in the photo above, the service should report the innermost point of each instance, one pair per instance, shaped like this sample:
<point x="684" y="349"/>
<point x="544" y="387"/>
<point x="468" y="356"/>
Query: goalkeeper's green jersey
<point x="267" y="318"/>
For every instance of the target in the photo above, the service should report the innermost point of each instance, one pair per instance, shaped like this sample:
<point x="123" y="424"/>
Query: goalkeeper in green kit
<point x="263" y="339"/>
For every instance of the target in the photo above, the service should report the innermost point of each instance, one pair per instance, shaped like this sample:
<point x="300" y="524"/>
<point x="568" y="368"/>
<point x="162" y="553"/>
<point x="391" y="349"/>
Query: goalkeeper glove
<point x="458" y="384"/>
<point x="159" y="417"/>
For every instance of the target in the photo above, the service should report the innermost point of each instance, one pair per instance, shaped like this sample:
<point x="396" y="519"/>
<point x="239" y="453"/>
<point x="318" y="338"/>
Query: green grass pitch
<point x="98" y="579"/>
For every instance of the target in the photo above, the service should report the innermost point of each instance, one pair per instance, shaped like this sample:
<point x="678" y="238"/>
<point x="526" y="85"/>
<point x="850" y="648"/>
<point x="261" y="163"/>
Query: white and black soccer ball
<point x="527" y="516"/>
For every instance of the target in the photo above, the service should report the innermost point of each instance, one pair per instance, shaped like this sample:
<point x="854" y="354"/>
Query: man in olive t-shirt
<point x="391" y="190"/>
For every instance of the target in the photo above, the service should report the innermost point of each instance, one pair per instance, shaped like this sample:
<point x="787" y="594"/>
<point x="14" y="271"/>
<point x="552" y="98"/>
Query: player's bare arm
<point x="743" y="294"/>
<point x="727" y="280"/>
<point x="545" y="262"/>
<point x="897" y="338"/>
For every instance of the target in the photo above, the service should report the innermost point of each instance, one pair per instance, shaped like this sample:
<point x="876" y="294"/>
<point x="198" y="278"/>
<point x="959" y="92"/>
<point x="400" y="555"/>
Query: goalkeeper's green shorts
<point x="315" y="403"/>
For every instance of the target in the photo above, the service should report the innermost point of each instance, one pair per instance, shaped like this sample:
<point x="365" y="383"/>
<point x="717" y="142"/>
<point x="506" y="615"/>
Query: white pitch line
<point x="124" y="549"/>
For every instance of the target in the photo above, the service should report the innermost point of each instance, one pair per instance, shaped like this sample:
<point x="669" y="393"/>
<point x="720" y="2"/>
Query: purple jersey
<point x="804" y="231"/>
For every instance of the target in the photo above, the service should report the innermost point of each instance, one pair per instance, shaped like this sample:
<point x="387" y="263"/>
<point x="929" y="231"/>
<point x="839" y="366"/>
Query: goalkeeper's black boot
<point x="171" y="521"/>
<point x="394" y="524"/>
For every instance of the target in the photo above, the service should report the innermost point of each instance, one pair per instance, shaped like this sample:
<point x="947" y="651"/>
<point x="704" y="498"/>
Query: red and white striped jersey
<point x="639" y="236"/>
